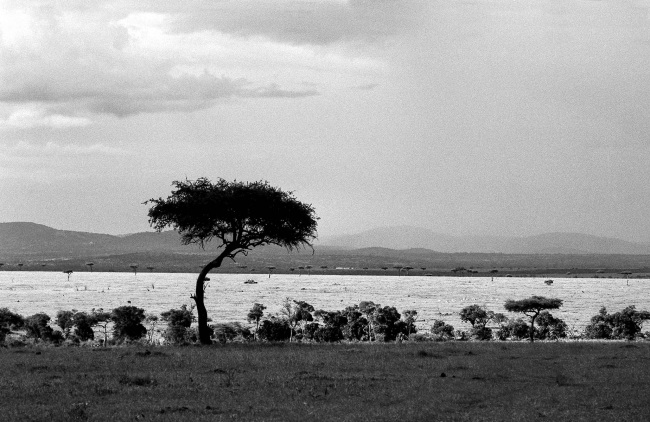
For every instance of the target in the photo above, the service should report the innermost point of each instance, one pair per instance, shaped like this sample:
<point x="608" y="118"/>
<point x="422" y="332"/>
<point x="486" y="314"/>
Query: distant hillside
<point x="29" y="246"/>
<point x="27" y="239"/>
<point x="407" y="237"/>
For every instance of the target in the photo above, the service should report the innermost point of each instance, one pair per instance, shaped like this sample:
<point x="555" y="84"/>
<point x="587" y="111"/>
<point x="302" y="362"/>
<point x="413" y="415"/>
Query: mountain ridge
<point x="31" y="238"/>
<point x="409" y="237"/>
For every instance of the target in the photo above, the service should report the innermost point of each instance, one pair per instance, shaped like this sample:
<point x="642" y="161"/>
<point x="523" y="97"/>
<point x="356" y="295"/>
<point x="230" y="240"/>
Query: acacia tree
<point x="531" y="307"/>
<point x="238" y="216"/>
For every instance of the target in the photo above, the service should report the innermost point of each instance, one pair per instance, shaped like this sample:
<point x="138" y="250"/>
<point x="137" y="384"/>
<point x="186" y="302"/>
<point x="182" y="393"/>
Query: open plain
<point x="455" y="381"/>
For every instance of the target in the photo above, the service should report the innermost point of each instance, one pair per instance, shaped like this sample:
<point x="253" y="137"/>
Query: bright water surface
<point x="229" y="299"/>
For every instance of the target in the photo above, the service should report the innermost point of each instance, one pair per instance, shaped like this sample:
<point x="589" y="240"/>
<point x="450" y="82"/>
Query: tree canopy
<point x="240" y="214"/>
<point x="532" y="305"/>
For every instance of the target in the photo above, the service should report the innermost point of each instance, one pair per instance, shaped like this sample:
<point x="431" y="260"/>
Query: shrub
<point x="514" y="329"/>
<point x="9" y="321"/>
<point x="549" y="327"/>
<point x="274" y="329"/>
<point x="625" y="324"/>
<point x="178" y="321"/>
<point x="387" y="321"/>
<point x="328" y="333"/>
<point x="309" y="330"/>
<point x="83" y="326"/>
<point x="37" y="326"/>
<point x="481" y="333"/>
<point x="229" y="331"/>
<point x="442" y="330"/>
<point x="127" y="322"/>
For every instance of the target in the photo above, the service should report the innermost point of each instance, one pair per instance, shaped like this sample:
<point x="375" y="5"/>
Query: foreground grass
<point x="294" y="382"/>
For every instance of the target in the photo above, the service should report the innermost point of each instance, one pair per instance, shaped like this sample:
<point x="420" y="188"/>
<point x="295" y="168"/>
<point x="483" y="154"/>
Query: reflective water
<point x="228" y="298"/>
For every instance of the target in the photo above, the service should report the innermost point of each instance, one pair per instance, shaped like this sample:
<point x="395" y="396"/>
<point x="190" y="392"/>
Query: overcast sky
<point x="492" y="117"/>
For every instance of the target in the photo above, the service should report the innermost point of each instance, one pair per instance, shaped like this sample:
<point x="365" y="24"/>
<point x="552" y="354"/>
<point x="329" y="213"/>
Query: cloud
<point x="59" y="67"/>
<point x="29" y="117"/>
<point x="306" y="22"/>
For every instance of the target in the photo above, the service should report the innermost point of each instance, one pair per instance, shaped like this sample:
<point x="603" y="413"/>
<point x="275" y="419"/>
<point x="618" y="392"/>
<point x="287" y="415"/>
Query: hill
<point x="405" y="237"/>
<point x="38" y="247"/>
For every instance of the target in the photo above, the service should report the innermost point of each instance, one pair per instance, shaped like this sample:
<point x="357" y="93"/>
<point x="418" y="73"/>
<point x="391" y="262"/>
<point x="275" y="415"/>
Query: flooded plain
<point x="229" y="298"/>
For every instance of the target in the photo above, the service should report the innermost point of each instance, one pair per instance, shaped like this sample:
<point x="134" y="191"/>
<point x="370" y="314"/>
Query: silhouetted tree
<point x="531" y="307"/>
<point x="239" y="215"/>
<point x="68" y="272"/>
<point x="90" y="266"/>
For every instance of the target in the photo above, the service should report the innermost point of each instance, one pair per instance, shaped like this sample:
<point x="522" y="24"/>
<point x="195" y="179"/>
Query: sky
<point x="502" y="117"/>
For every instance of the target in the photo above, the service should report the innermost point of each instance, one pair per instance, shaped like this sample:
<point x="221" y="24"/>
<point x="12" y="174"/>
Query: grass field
<point x="347" y="382"/>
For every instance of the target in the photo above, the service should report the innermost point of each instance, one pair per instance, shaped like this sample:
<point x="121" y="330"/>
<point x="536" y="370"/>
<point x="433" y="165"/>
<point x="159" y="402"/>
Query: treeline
<point x="298" y="321"/>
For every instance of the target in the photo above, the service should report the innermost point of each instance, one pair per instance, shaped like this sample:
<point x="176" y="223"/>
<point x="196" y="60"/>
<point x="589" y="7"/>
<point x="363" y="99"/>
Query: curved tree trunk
<point x="205" y="332"/>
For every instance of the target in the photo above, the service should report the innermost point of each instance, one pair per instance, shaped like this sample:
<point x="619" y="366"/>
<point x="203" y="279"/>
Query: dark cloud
<point x="318" y="23"/>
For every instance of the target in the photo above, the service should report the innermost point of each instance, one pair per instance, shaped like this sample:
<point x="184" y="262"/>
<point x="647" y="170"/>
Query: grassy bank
<point x="349" y="382"/>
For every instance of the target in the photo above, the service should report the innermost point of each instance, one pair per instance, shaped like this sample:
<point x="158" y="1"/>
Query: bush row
<point x="300" y="321"/>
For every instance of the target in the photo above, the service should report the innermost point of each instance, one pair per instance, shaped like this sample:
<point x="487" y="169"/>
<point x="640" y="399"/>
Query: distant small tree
<point x="241" y="216"/>
<point x="152" y="321"/>
<point x="308" y="268"/>
<point x="101" y="319"/>
<point x="367" y="309"/>
<point x="270" y="268"/>
<point x="532" y="307"/>
<point x="387" y="321"/>
<point x="68" y="272"/>
<point x="407" y="269"/>
<point x="90" y="266"/>
<point x="151" y="268"/>
<point x="127" y="323"/>
<point x="65" y="320"/>
<point x="255" y="315"/>
<point x="83" y="325"/>
<point x="297" y="313"/>
<point x="356" y="326"/>
<point x="134" y="267"/>
<point x="478" y="318"/>
<point x="410" y="317"/>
